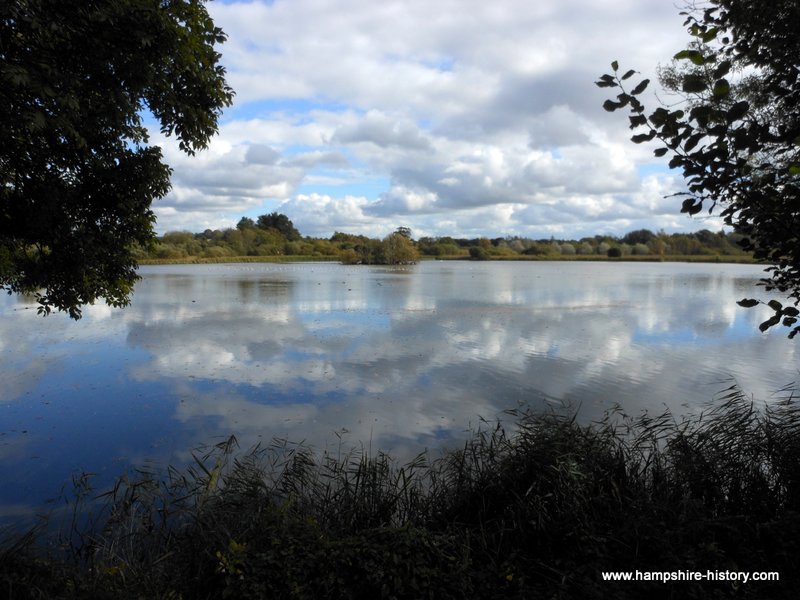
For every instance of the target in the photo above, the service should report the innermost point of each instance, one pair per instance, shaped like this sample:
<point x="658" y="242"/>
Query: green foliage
<point x="280" y="223"/>
<point x="443" y="246"/>
<point x="640" y="236"/>
<point x="736" y="139"/>
<point x="478" y="253"/>
<point x="275" y="235"/>
<point x="250" y="241"/>
<point x="245" y="223"/>
<point x="76" y="176"/>
<point x="567" y="249"/>
<point x="397" y="249"/>
<point x="404" y="231"/>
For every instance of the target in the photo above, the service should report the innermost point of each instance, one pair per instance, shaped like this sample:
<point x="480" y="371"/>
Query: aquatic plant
<point x="538" y="504"/>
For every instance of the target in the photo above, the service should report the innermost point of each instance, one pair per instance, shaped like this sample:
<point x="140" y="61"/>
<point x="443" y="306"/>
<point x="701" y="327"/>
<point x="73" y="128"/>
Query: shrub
<point x="478" y="253"/>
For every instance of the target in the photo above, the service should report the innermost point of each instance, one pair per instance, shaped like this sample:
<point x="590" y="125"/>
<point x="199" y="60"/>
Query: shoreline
<point x="698" y="258"/>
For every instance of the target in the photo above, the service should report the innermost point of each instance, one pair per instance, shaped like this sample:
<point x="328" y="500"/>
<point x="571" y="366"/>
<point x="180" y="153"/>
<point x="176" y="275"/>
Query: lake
<point x="399" y="359"/>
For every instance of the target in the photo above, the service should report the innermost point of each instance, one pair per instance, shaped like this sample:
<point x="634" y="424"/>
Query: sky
<point x="455" y="117"/>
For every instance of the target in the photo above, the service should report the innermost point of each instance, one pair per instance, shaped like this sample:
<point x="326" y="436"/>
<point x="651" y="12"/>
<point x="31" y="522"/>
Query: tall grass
<point x="535" y="506"/>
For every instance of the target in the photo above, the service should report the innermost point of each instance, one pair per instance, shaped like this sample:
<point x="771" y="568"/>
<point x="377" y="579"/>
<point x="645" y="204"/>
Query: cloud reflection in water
<point x="400" y="359"/>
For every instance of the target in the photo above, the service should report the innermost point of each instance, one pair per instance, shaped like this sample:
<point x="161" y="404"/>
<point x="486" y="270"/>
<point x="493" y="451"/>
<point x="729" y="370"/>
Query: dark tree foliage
<point x="280" y="223"/>
<point x="245" y="223"/>
<point x="640" y="236"/>
<point x="404" y="231"/>
<point x="76" y="175"/>
<point x="736" y="136"/>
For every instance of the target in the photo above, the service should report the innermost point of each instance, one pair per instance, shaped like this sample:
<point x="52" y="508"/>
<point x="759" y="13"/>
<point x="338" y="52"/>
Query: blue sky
<point x="455" y="117"/>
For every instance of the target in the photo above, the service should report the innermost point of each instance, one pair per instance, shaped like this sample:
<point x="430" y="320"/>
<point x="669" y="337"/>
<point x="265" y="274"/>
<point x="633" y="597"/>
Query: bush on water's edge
<point x="538" y="509"/>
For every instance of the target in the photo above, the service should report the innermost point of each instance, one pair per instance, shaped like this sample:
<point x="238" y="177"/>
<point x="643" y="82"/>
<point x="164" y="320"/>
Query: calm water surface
<point x="396" y="358"/>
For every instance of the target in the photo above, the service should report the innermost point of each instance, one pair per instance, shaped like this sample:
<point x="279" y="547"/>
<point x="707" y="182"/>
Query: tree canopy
<point x="735" y="133"/>
<point x="77" y="177"/>
<point x="279" y="222"/>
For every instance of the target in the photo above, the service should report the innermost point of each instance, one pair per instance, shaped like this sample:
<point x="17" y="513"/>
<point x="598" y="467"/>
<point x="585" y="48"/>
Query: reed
<point x="536" y="505"/>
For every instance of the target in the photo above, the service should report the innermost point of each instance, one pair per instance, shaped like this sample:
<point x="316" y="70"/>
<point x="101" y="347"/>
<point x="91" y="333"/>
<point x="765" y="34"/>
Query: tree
<point x="478" y="253"/>
<point x="736" y="133"/>
<point x="640" y="236"/>
<point x="77" y="177"/>
<point x="404" y="231"/>
<point x="280" y="223"/>
<point x="245" y="223"/>
<point x="397" y="249"/>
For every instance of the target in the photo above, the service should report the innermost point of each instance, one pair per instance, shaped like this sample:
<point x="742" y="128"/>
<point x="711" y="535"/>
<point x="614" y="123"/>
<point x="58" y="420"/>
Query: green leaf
<point x="693" y="84"/>
<point x="722" y="69"/>
<point x="775" y="305"/>
<point x="606" y="81"/>
<point x="611" y="106"/>
<point x="637" y="120"/>
<point x="628" y="75"/>
<point x="643" y="137"/>
<point x="737" y="111"/>
<point x="692" y="206"/>
<point x="615" y="66"/>
<point x="769" y="323"/>
<point x="748" y="302"/>
<point x="701" y="114"/>
<point x="791" y="311"/>
<point x="659" y="117"/>
<point x="675" y="162"/>
<point x="710" y="35"/>
<point x="660" y="151"/>
<point x="794" y="169"/>
<point x="721" y="88"/>
<point x="640" y="88"/>
<point x="693" y="55"/>
<point x="692" y="142"/>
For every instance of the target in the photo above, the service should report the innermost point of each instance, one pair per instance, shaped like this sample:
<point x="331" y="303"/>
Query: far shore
<point x="284" y="258"/>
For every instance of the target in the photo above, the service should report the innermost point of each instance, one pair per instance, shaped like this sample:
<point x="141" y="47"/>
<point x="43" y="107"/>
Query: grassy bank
<point x="537" y="508"/>
<point x="201" y="260"/>
<point x="690" y="258"/>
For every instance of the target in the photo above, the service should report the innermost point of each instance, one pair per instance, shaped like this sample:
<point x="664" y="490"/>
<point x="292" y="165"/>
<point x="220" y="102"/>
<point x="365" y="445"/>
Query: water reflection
<point x="396" y="358"/>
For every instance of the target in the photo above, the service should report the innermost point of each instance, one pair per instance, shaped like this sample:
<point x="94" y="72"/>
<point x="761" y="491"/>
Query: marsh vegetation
<point x="535" y="505"/>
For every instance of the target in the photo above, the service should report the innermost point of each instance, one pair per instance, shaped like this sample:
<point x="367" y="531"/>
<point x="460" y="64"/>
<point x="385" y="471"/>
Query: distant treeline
<point x="274" y="235"/>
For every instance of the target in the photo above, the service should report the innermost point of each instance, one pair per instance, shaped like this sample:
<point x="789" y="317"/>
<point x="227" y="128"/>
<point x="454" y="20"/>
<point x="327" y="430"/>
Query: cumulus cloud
<point x="382" y="131"/>
<point x="460" y="106"/>
<point x="321" y="214"/>
<point x="261" y="154"/>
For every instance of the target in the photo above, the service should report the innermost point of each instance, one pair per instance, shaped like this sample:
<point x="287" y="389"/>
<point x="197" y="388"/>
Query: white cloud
<point x="456" y="105"/>
<point x="383" y="131"/>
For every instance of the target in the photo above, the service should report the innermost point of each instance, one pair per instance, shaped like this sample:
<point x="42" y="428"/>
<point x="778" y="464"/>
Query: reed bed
<point x="536" y="505"/>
